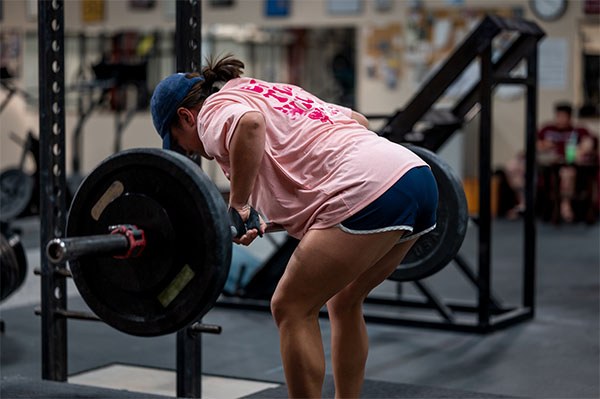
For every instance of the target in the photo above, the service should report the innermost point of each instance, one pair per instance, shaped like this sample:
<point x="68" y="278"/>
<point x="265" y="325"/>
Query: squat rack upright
<point x="53" y="190"/>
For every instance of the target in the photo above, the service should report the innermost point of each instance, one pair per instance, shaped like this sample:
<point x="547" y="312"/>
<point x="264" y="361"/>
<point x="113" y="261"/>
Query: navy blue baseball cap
<point x="167" y="96"/>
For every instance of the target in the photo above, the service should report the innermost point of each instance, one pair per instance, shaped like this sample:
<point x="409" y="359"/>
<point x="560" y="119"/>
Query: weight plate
<point x="14" y="240"/>
<point x="436" y="249"/>
<point x="183" y="268"/>
<point x="16" y="189"/>
<point x="13" y="264"/>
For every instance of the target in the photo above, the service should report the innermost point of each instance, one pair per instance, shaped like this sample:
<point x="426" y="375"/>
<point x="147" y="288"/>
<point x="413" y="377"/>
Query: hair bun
<point x="209" y="75"/>
<point x="223" y="69"/>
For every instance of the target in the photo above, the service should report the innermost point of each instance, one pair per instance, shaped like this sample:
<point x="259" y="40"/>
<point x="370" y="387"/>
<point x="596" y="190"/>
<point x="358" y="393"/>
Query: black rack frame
<point x="188" y="47"/>
<point x="52" y="184"/>
<point x="491" y="316"/>
<point x="53" y="190"/>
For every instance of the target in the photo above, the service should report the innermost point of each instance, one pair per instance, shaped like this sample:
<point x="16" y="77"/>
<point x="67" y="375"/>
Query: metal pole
<point x="530" y="173"/>
<point x="437" y="304"/>
<point x="485" y="149"/>
<point x="464" y="267"/>
<point x="188" y="42"/>
<point x="52" y="183"/>
<point x="188" y="35"/>
<point x="189" y="364"/>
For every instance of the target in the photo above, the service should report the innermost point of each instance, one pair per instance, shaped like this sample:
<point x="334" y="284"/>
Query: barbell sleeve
<point x="124" y="241"/>
<point x="60" y="250"/>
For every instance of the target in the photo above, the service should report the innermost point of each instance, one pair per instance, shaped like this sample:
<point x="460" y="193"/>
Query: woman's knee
<point x="279" y="308"/>
<point x="286" y="308"/>
<point x="346" y="303"/>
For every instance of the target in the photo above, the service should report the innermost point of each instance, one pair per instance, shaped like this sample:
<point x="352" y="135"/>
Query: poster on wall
<point x="552" y="64"/>
<point x="92" y="10"/>
<point x="384" y="54"/>
<point x="433" y="35"/>
<point x="277" y="8"/>
<point x="344" y="7"/>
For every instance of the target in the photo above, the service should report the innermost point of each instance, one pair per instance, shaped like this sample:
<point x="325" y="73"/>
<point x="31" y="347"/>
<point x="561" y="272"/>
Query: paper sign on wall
<point x="552" y="63"/>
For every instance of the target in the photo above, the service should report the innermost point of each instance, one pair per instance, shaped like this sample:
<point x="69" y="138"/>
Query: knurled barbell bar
<point x="149" y="239"/>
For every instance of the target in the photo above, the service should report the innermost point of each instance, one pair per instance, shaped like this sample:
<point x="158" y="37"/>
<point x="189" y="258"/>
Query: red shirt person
<point x="553" y="139"/>
<point x="563" y="143"/>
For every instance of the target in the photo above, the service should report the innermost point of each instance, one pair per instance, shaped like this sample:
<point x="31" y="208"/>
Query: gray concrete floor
<point x="556" y="355"/>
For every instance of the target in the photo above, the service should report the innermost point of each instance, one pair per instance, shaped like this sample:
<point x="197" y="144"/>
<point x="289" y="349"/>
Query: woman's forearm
<point x="246" y="153"/>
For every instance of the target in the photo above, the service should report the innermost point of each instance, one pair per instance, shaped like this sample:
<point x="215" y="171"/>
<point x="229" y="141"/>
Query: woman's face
<point x="185" y="134"/>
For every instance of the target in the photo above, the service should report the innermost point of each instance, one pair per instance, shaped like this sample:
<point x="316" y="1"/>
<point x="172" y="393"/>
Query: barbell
<point x="149" y="239"/>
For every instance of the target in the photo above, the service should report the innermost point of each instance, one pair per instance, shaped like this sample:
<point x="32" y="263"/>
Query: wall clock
<point x="548" y="10"/>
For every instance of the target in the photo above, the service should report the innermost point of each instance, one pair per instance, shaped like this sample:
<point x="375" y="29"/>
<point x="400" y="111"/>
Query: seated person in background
<point x="514" y="171"/>
<point x="561" y="143"/>
<point x="558" y="143"/>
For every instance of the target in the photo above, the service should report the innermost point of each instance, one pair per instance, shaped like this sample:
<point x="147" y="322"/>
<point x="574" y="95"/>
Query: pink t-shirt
<point x="319" y="166"/>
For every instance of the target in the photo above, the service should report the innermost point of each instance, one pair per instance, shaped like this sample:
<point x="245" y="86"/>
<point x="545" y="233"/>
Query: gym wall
<point x="372" y="95"/>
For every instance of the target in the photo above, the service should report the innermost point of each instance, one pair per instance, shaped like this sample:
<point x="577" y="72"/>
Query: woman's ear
<point x="186" y="117"/>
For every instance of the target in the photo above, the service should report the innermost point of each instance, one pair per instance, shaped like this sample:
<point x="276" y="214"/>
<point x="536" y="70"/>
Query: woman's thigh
<point x="357" y="290"/>
<point x="325" y="262"/>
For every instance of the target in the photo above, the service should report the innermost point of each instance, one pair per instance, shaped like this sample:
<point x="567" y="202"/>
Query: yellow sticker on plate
<point x="185" y="275"/>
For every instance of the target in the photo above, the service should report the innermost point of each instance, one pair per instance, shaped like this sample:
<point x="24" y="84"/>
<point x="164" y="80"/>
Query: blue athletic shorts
<point x="410" y="204"/>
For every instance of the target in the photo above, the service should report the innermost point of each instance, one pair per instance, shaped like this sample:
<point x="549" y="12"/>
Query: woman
<point x="356" y="201"/>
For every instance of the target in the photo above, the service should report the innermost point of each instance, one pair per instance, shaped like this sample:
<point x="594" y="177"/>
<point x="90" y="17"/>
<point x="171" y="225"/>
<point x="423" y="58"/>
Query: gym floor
<point x="556" y="355"/>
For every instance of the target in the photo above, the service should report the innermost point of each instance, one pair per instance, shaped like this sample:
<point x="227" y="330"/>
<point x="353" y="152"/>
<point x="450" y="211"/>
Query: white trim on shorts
<point x="389" y="228"/>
